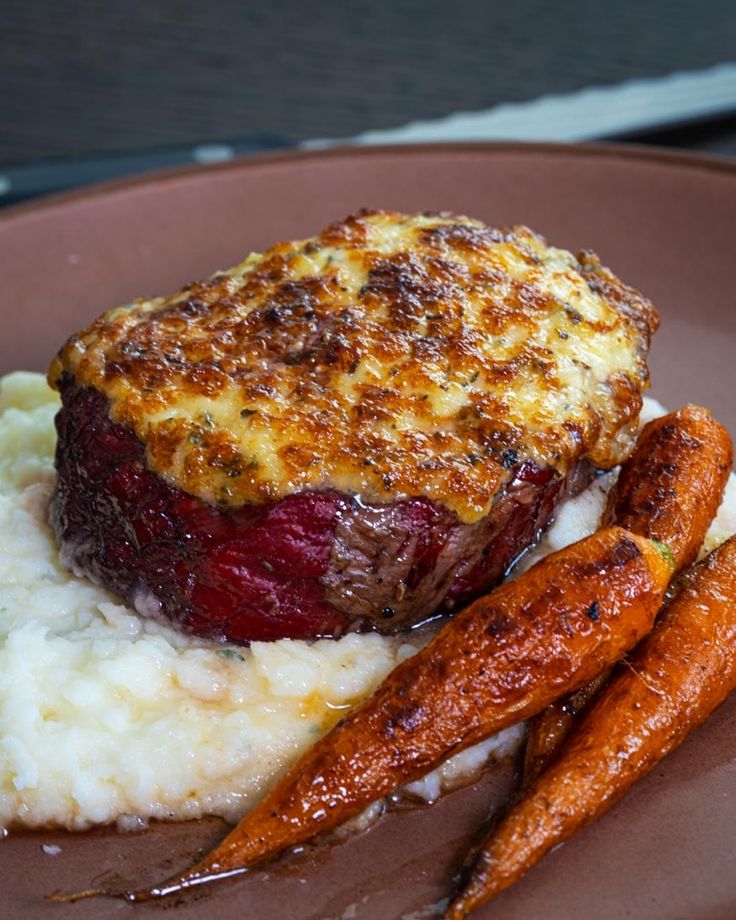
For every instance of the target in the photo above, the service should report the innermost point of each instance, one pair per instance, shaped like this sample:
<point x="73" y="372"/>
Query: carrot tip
<point x="456" y="909"/>
<point x="58" y="898"/>
<point x="179" y="884"/>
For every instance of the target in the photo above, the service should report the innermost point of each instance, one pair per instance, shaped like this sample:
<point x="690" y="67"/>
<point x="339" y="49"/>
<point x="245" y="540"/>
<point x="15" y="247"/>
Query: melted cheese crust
<point x="389" y="356"/>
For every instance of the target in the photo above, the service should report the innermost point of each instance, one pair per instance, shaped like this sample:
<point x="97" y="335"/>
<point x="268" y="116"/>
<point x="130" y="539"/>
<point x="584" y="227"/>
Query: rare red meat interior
<point x="358" y="431"/>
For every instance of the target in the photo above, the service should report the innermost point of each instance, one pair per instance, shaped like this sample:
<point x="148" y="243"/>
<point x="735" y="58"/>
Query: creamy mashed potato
<point x="106" y="716"/>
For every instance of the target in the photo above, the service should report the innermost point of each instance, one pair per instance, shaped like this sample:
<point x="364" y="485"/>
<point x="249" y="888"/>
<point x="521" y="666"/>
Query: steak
<point x="317" y="563"/>
<point x="356" y="432"/>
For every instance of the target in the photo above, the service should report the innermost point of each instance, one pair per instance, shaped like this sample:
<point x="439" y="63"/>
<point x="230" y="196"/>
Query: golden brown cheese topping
<point x="389" y="356"/>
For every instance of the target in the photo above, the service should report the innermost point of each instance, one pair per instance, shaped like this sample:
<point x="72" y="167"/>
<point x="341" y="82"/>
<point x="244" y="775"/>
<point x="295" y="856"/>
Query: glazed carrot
<point x="547" y="731"/>
<point x="500" y="660"/>
<point x="668" y="490"/>
<point x="671" y="486"/>
<point x="674" y="681"/>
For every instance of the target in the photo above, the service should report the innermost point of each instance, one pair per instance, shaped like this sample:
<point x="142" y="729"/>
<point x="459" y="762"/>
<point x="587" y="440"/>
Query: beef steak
<point x="358" y="431"/>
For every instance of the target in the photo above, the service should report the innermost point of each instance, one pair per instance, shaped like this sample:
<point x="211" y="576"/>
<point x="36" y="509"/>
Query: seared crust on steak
<point x="389" y="357"/>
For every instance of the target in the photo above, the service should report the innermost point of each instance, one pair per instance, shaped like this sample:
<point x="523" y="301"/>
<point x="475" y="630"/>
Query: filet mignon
<point x="359" y="431"/>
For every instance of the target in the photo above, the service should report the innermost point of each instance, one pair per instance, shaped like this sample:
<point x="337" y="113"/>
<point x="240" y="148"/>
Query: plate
<point x="665" y="223"/>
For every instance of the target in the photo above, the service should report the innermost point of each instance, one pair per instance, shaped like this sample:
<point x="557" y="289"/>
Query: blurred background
<point x="92" y="90"/>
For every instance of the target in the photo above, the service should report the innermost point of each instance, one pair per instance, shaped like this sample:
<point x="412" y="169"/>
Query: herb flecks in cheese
<point x="388" y="356"/>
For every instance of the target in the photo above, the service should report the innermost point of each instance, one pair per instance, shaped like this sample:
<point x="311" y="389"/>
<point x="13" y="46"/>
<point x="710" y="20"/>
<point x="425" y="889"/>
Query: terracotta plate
<point x="666" y="224"/>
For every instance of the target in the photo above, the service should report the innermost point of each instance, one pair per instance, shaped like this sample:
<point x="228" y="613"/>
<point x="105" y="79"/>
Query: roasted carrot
<point x="668" y="490"/>
<point x="673" y="682"/>
<point x="547" y="731"/>
<point x="497" y="662"/>
<point x="671" y="486"/>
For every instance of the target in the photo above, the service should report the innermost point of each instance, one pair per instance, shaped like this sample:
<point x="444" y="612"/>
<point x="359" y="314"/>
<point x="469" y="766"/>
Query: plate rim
<point x="39" y="209"/>
<point x="643" y="153"/>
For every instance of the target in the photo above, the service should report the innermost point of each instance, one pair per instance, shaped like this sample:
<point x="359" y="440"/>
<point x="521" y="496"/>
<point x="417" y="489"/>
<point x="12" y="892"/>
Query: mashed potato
<point x="106" y="716"/>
